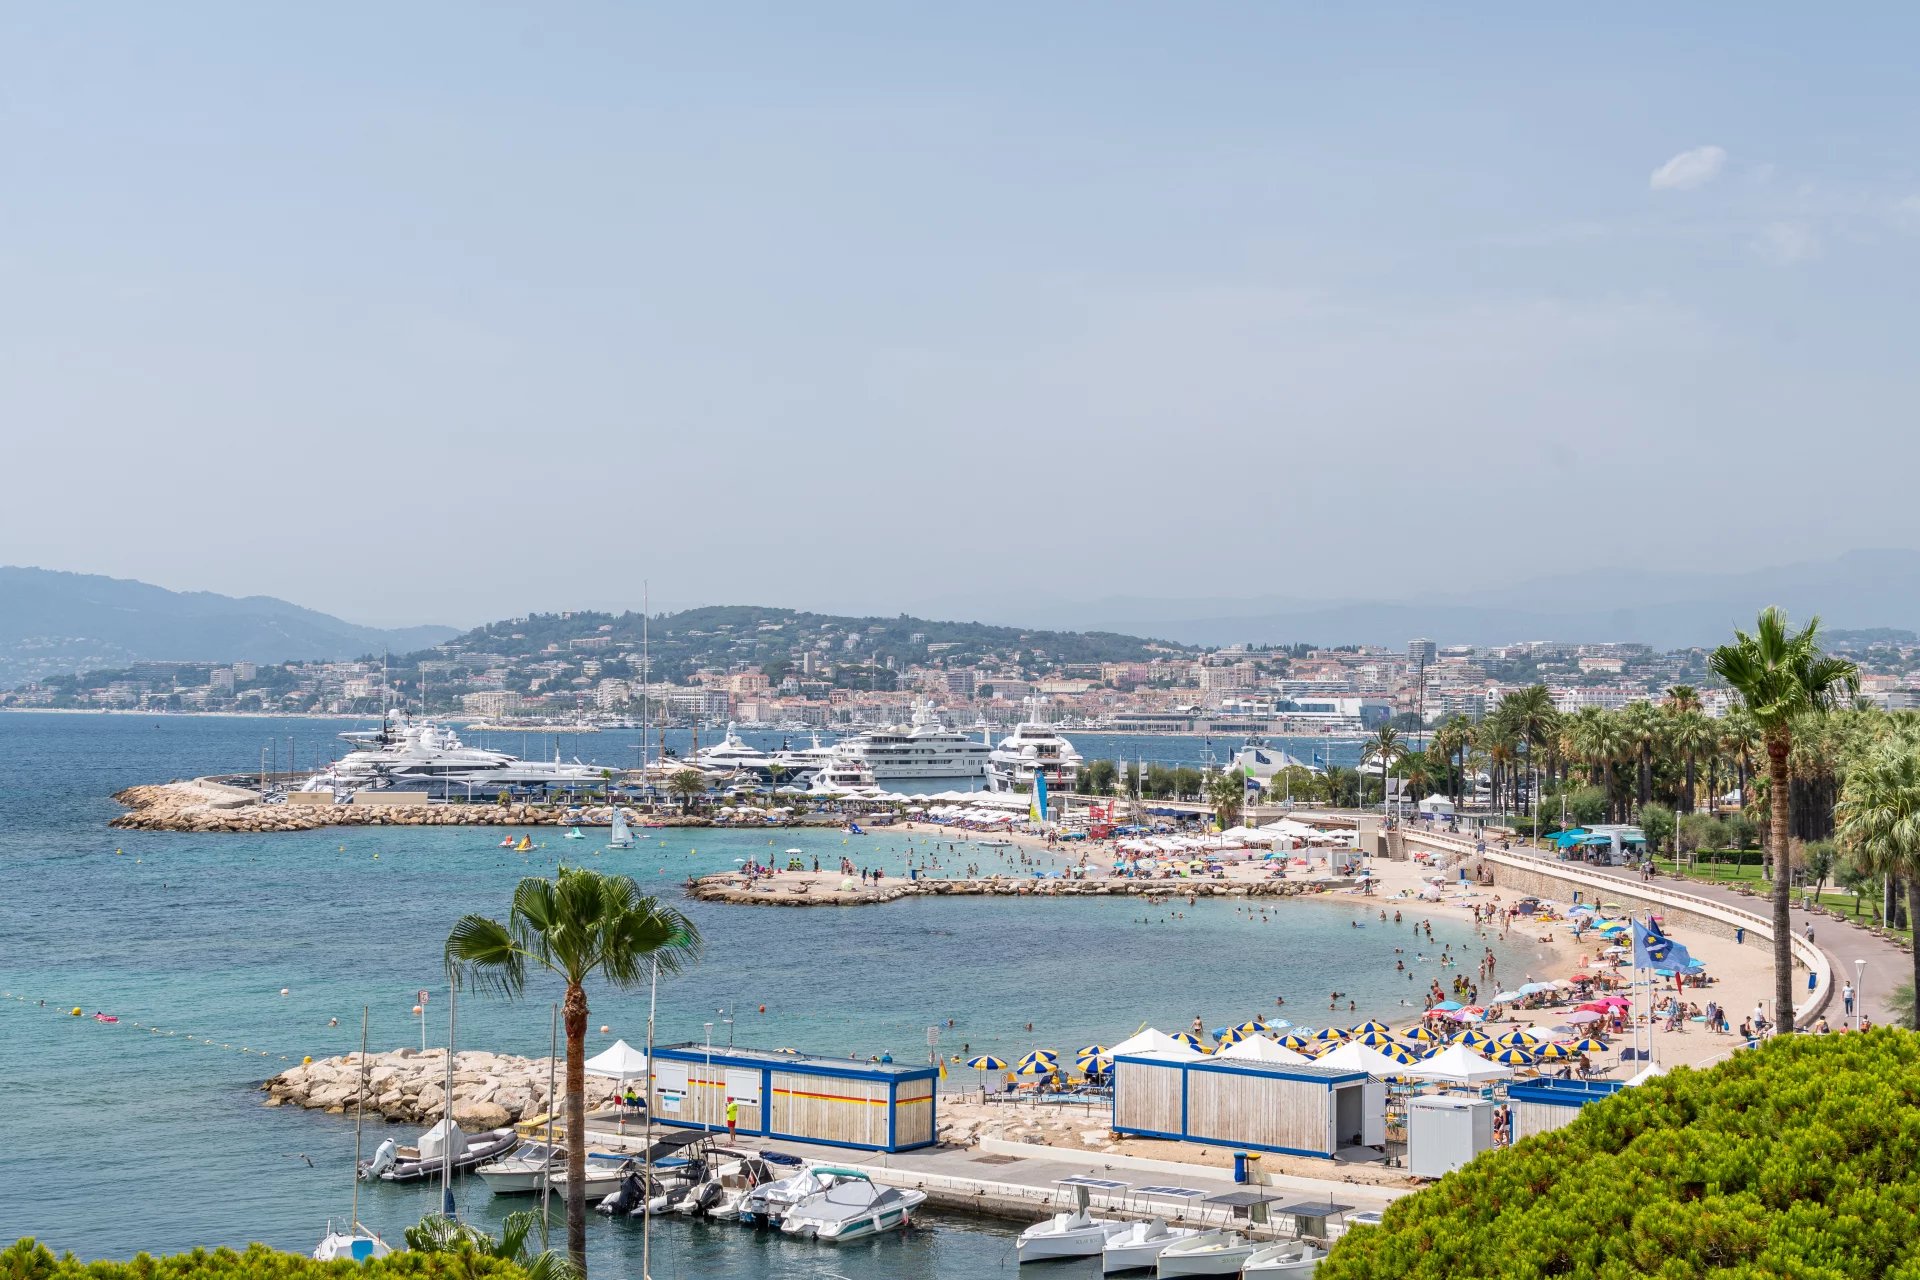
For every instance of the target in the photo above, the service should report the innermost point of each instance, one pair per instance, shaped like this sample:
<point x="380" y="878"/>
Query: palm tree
<point x="578" y="924"/>
<point x="437" y="1233"/>
<point x="1879" y="818"/>
<point x="1643" y="729"/>
<point x="1452" y="739"/>
<point x="1227" y="792"/>
<point x="1782" y="676"/>
<point x="1598" y="739"/>
<point x="686" y="786"/>
<point x="1383" y="749"/>
<point x="1690" y="733"/>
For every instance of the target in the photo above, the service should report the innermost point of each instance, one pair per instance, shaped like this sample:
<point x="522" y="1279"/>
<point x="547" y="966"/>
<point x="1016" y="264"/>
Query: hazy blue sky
<point x="892" y="306"/>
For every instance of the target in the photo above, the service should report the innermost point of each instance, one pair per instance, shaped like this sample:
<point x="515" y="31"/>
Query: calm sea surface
<point x="121" y="1139"/>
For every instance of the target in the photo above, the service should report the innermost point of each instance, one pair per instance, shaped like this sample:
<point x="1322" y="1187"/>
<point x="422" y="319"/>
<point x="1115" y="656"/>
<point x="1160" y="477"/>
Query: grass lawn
<point x="1751" y="876"/>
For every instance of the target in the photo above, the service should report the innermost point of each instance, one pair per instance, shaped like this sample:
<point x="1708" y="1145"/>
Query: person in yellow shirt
<point x="733" y="1116"/>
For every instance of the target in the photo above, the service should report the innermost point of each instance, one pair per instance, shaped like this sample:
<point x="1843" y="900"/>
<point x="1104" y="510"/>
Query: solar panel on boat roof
<point x="1241" y="1199"/>
<point x="1170" y="1191"/>
<point x="1105" y="1184"/>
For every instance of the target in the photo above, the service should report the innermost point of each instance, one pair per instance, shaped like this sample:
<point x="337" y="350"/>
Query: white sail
<point x="622" y="834"/>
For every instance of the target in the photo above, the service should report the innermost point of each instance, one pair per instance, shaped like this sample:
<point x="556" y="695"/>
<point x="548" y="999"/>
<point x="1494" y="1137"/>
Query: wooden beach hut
<point x="839" y="1102"/>
<point x="1258" y="1106"/>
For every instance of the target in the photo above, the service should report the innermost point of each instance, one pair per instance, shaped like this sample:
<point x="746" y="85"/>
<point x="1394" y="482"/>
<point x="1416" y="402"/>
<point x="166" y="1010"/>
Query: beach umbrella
<point x="1192" y="1042"/>
<point x="1445" y="1006"/>
<point x="1421" y="1032"/>
<point x="1467" y="1015"/>
<point x="1584" y="1016"/>
<point x="1255" y="1027"/>
<point x="1038" y="1063"/>
<point x="1507" y="997"/>
<point x="1372" y="1039"/>
<point x="1331" y="1034"/>
<point x="1472" y="1039"/>
<point x="1372" y="1024"/>
<point x="1535" y="988"/>
<point x="1400" y="1053"/>
<point x="1553" y="1053"/>
<point x="1297" y="1043"/>
<point x="987" y="1062"/>
<point x="1519" y="1040"/>
<point x="1588" y="1045"/>
<point x="1093" y="1061"/>
<point x="1512" y="1057"/>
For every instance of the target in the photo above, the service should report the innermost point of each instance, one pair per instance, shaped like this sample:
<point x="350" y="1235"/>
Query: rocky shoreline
<point x="210" y="807"/>
<point x="786" y="889"/>
<point x="407" y="1086"/>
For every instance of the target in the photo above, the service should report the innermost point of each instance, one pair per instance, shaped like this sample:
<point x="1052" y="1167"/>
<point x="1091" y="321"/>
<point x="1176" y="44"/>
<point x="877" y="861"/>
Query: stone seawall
<point x="409" y="1087"/>
<point x="797" y="890"/>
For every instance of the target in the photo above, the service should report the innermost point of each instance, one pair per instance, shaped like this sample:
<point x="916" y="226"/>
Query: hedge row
<point x="1797" y="1159"/>
<point x="29" y="1260"/>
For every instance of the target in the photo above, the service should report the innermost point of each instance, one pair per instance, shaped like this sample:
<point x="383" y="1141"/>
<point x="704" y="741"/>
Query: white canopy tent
<point x="623" y="1062"/>
<point x="1358" y="1057"/>
<point x="1456" y="1064"/>
<point x="1261" y="1049"/>
<point x="1153" y="1040"/>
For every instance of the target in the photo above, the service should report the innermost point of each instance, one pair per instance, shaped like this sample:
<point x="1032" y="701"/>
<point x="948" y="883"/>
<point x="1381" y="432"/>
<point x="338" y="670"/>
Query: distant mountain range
<point x="1668" y="610"/>
<point x="52" y="622"/>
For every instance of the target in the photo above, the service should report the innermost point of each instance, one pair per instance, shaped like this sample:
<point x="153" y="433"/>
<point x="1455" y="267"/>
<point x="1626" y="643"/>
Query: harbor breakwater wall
<point x="784" y="891"/>
<point x="202" y="806"/>
<point x="407" y="1086"/>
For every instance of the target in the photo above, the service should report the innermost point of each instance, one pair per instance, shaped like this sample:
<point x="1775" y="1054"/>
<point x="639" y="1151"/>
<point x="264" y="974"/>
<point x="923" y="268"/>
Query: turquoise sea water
<point x="122" y="1138"/>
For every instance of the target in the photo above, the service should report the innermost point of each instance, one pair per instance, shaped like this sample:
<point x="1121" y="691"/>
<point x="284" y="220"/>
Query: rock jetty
<point x="407" y="1086"/>
<point x="201" y="805"/>
<point x="791" y="889"/>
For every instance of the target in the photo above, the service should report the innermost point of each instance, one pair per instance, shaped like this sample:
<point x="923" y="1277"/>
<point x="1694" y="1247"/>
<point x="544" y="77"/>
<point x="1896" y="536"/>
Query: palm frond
<point x="483" y="953"/>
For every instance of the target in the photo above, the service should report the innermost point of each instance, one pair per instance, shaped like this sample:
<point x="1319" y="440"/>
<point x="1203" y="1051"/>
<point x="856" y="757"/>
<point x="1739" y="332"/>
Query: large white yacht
<point x="408" y="756"/>
<point x="923" y="749"/>
<point x="1034" y="747"/>
<point x="734" y="753"/>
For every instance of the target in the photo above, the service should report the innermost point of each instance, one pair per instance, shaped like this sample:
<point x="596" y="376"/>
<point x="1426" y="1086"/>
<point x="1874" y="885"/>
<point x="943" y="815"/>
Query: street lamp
<point x="1859" y="991"/>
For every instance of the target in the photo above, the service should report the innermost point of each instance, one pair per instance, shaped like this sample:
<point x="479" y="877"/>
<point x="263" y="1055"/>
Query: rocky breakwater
<point x="802" y="889"/>
<point x="409" y="1087"/>
<point x="203" y="806"/>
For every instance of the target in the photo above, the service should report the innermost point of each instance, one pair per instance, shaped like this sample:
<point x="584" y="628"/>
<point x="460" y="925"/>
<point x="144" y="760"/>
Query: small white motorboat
<point x="1140" y="1245"/>
<point x="574" y="833"/>
<point x="1074" y="1234"/>
<point x="768" y="1203"/>
<point x="1206" y="1253"/>
<point x="1294" y="1258"/>
<point x="356" y="1245"/>
<point x="522" y="1172"/>
<point x="851" y="1209"/>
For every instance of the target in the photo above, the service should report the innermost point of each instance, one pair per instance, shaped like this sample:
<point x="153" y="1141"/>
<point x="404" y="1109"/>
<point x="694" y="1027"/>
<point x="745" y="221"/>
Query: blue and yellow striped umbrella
<point x="1234" y="1035"/>
<point x="1192" y="1041"/>
<point x="1520" y="1040"/>
<point x="987" y="1062"/>
<point x="1038" y="1063"/>
<point x="1552" y="1053"/>
<point x="1372" y="1024"/>
<point x="1253" y="1028"/>
<point x="1588" y="1045"/>
<point x="1332" y="1035"/>
<point x="1093" y="1061"/>
<point x="1373" y="1039"/>
<point x="1421" y="1033"/>
<point x="1512" y="1057"/>
<point x="1400" y="1053"/>
<point x="1297" y="1043"/>
<point x="1472" y="1039"/>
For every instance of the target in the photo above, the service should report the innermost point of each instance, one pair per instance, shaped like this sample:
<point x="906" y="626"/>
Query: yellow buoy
<point x="76" y="1011"/>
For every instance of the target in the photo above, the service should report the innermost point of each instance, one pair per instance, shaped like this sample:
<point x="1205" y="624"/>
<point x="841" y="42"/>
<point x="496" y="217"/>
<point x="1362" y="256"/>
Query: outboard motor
<point x="703" y="1198"/>
<point x="383" y="1160"/>
<point x="627" y="1197"/>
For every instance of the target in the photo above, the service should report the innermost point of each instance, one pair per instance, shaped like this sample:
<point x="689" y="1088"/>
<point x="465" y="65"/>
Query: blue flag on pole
<point x="1655" y="950"/>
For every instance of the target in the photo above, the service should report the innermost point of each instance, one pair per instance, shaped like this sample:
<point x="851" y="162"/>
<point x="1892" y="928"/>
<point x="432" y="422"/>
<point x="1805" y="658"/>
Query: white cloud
<point x="1689" y="169"/>
<point x="1787" y="243"/>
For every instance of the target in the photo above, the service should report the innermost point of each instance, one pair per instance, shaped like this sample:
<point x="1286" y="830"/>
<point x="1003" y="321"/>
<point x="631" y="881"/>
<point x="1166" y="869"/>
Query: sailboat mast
<point x="646" y="1218"/>
<point x="359" y="1117"/>
<point x="446" y="1163"/>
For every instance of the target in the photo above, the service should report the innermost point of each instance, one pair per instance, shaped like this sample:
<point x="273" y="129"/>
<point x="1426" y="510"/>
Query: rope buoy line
<point x="209" y="1042"/>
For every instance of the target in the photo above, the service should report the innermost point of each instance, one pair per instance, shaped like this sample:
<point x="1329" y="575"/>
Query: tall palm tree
<point x="1383" y="749"/>
<point x="578" y="924"/>
<point x="1644" y="729"/>
<point x="1598" y="738"/>
<point x="1227" y="792"/>
<point x="1879" y="818"/>
<point x="1690" y="733"/>
<point x="1452" y="739"/>
<point x="1782" y="676"/>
